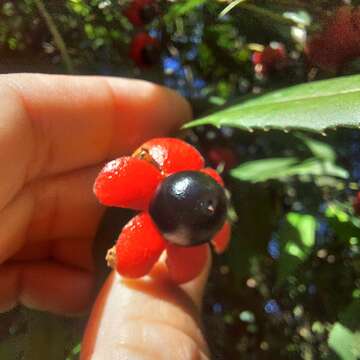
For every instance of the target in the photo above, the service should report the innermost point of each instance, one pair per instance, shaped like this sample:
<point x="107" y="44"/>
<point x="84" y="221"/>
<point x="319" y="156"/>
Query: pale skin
<point x="55" y="134"/>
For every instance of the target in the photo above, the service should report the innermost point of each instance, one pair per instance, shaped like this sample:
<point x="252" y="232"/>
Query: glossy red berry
<point x="141" y="12"/>
<point x="272" y="58"/>
<point x="214" y="174"/>
<point x="338" y="42"/>
<point x="222" y="238"/>
<point x="138" y="247"/>
<point x="183" y="206"/>
<point x="188" y="207"/>
<point x="172" y="155"/>
<point x="145" y="50"/>
<point x="185" y="264"/>
<point x="127" y="182"/>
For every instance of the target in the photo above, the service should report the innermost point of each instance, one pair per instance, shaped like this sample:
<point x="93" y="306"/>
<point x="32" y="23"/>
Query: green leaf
<point x="183" y="8"/>
<point x="318" y="148"/>
<point x="283" y="168"/>
<point x="350" y="317"/>
<point x="46" y="337"/>
<point x="75" y="352"/>
<point x="344" y="337"/>
<point x="344" y="342"/>
<point x="344" y="225"/>
<point x="11" y="347"/>
<point x="313" y="106"/>
<point x="258" y="210"/>
<point x="297" y="238"/>
<point x="262" y="170"/>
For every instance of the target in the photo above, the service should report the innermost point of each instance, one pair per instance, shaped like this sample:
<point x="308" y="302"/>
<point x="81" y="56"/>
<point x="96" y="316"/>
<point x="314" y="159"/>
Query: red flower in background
<point x="142" y="12"/>
<point x="182" y="207"/>
<point x="222" y="156"/>
<point x="356" y="204"/>
<point x="272" y="58"/>
<point x="144" y="50"/>
<point x="338" y="42"/>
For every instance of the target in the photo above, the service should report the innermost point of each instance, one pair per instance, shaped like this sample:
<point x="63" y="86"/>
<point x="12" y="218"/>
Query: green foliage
<point x="319" y="149"/>
<point x="345" y="342"/>
<point x="11" y="348"/>
<point x="283" y="168"/>
<point x="297" y="239"/>
<point x="345" y="226"/>
<point x="257" y="210"/>
<point x="350" y="317"/>
<point x="183" y="8"/>
<point x="332" y="103"/>
<point x="263" y="170"/>
<point x="38" y="335"/>
<point x="75" y="352"/>
<point x="46" y="337"/>
<point x="288" y="288"/>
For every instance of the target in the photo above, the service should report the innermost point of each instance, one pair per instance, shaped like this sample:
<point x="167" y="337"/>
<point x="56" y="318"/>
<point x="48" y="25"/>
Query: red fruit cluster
<point x="338" y="42"/>
<point x="144" y="50"/>
<point x="141" y="12"/>
<point x="130" y="182"/>
<point x="272" y="58"/>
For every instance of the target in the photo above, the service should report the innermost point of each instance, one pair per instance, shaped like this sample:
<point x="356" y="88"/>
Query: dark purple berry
<point x="189" y="207"/>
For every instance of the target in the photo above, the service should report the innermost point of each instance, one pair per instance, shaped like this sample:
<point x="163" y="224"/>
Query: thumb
<point x="147" y="318"/>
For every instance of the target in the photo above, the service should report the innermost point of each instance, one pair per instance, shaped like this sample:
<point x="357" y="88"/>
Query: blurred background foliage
<point x="289" y="288"/>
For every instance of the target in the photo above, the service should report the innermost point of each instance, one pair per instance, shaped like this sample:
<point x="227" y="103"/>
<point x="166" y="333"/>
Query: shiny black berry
<point x="189" y="207"/>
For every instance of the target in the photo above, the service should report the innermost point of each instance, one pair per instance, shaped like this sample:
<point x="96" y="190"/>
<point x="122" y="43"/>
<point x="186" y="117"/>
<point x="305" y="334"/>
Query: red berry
<point x="173" y="155"/>
<point x="272" y="58"/>
<point x="214" y="174"/>
<point x="222" y="155"/>
<point x="185" y="264"/>
<point x="138" y="247"/>
<point x="127" y="182"/>
<point x="144" y="50"/>
<point x="141" y="12"/>
<point x="338" y="42"/>
<point x="222" y="238"/>
<point x="182" y="202"/>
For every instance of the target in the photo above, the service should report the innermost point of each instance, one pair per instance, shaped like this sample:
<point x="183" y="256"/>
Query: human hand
<point x="147" y="318"/>
<point x="55" y="134"/>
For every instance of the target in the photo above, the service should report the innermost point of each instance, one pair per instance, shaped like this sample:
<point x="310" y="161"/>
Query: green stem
<point x="230" y="6"/>
<point x="59" y="41"/>
<point x="268" y="13"/>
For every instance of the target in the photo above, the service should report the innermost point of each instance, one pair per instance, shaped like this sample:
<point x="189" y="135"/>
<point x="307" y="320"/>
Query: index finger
<point x="54" y="123"/>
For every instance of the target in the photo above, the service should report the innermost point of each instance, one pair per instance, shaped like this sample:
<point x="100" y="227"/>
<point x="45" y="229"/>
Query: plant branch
<point x="230" y="6"/>
<point x="59" y="41"/>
